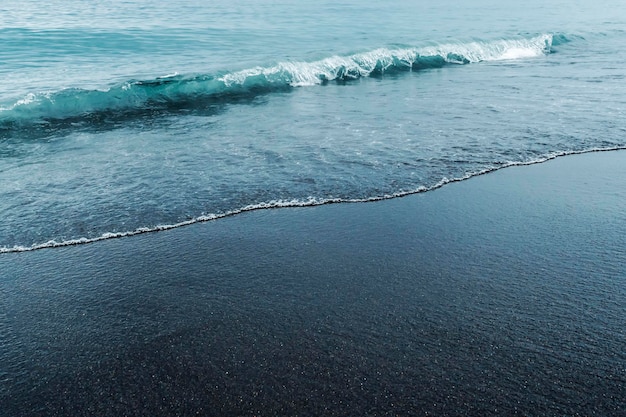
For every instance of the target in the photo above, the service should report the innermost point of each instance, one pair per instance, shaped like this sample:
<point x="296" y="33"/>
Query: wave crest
<point x="175" y="92"/>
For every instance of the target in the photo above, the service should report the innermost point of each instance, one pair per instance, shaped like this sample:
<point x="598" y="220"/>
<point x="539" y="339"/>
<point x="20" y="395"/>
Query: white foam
<point x="300" y="73"/>
<point x="27" y="99"/>
<point x="172" y="75"/>
<point x="519" y="53"/>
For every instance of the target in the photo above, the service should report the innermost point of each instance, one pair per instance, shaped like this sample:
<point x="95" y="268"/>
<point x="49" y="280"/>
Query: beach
<point x="503" y="294"/>
<point x="330" y="208"/>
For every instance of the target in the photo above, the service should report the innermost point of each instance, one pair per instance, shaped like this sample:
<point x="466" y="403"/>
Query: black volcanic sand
<point x="501" y="295"/>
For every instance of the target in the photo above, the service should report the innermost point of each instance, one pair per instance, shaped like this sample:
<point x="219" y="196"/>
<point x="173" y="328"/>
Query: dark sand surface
<point x="501" y="295"/>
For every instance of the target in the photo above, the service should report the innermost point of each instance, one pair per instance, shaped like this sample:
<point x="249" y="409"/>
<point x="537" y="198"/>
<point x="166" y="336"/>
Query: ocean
<point x="125" y="122"/>
<point x="118" y="118"/>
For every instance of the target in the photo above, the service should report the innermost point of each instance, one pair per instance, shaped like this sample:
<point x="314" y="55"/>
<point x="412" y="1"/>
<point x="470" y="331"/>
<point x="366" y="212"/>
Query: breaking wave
<point x="178" y="92"/>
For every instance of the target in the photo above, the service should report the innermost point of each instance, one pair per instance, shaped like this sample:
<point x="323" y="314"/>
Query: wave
<point x="309" y="202"/>
<point x="175" y="92"/>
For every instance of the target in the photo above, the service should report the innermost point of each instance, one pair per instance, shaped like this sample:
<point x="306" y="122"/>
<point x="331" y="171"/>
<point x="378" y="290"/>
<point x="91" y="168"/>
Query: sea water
<point x="122" y="117"/>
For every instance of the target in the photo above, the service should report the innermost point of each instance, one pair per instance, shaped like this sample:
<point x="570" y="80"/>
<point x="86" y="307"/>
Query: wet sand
<point x="501" y="295"/>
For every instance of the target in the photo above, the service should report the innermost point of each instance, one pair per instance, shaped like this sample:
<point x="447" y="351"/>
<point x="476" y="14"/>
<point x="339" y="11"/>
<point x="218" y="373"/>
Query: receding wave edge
<point x="309" y="202"/>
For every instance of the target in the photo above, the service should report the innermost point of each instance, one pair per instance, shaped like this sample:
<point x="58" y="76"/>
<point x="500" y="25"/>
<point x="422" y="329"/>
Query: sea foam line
<point x="309" y="202"/>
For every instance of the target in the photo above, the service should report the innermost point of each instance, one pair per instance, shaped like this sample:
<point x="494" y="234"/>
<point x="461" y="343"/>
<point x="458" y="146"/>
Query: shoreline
<point x="311" y="202"/>
<point x="501" y="294"/>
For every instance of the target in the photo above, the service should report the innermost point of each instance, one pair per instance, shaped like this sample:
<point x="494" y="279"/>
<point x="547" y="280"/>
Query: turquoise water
<point x="118" y="118"/>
